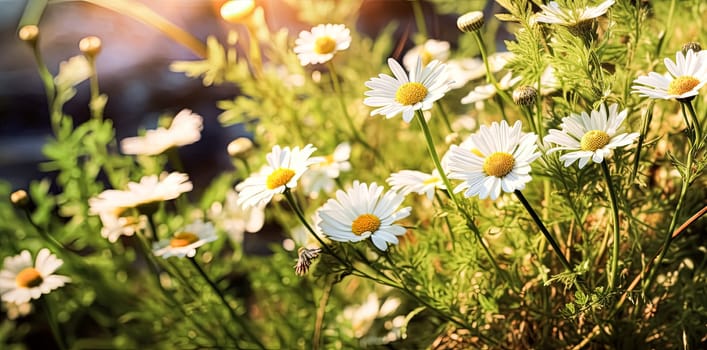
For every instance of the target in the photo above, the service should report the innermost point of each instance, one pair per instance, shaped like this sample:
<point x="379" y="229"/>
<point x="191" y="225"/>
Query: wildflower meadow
<point x="535" y="180"/>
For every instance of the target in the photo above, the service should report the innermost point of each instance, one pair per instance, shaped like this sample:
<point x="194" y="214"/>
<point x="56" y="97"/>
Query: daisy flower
<point x="363" y="212"/>
<point x="554" y="14"/>
<point x="495" y="158"/>
<point x="320" y="45"/>
<point x="321" y="176"/>
<point x="285" y="166"/>
<point x="590" y="136"/>
<point x="185" y="129"/>
<point x="22" y="281"/>
<point x="685" y="77"/>
<point x="429" y="51"/>
<point x="406" y="94"/>
<point x="235" y="219"/>
<point x="184" y="242"/>
<point x="115" y="226"/>
<point x="150" y="190"/>
<point x="487" y="91"/>
<point x="409" y="181"/>
<point x="465" y="70"/>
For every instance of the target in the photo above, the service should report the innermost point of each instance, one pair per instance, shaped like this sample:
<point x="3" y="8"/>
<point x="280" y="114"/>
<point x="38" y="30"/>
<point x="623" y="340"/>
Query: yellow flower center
<point x="328" y="160"/>
<point x="324" y="45"/>
<point x="410" y="93"/>
<point x="681" y="85"/>
<point x="430" y="180"/>
<point x="28" y="278"/>
<point x="279" y="177"/>
<point x="365" y="223"/>
<point x="499" y="164"/>
<point x="594" y="140"/>
<point x="425" y="56"/>
<point x="183" y="239"/>
<point x="477" y="152"/>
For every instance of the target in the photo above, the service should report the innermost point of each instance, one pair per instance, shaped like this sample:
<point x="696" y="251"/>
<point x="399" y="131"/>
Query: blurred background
<point x="133" y="70"/>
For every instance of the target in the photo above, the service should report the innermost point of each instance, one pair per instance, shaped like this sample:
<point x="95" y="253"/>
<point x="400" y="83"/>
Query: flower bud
<point x="90" y="46"/>
<point x="236" y="11"/>
<point x="240" y="147"/>
<point x="525" y="96"/>
<point x="28" y="33"/>
<point x="694" y="46"/>
<point x="19" y="199"/>
<point x="471" y="21"/>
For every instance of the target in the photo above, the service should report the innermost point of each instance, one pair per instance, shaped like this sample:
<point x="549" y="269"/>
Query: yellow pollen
<point x="681" y="85"/>
<point x="477" y="152"/>
<point x="28" y="278"/>
<point x="365" y="223"/>
<point x="499" y="164"/>
<point x="410" y="93"/>
<point x="324" y="45"/>
<point x="430" y="180"/>
<point x="183" y="239"/>
<point x="425" y="56"/>
<point x="594" y="140"/>
<point x="278" y="178"/>
<point x="328" y="160"/>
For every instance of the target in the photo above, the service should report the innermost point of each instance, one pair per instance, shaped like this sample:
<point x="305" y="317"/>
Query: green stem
<point x="321" y="311"/>
<point x="442" y="111"/>
<point x="446" y="220"/>
<point x="697" y="128"/>
<point x="419" y="18"/>
<point x="96" y="112"/>
<point x="613" y="274"/>
<point x="678" y="209"/>
<point x="254" y="51"/>
<point x="42" y="232"/>
<point x="354" y="130"/>
<point x="435" y="157"/>
<point x="53" y="324"/>
<point x="641" y="138"/>
<point x="233" y="315"/>
<point x="547" y="235"/>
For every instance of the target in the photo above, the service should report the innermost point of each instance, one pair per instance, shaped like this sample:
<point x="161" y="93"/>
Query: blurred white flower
<point x="590" y="136"/>
<point x="554" y="14"/>
<point x="236" y="219"/>
<point x="429" y="51"/>
<point x="22" y="281"/>
<point x="409" y="181"/>
<point x="407" y="93"/>
<point x="362" y="316"/>
<point x="321" y="43"/>
<point x="185" y="241"/>
<point x="285" y="166"/>
<point x="72" y="72"/>
<point x="548" y="81"/>
<point x="321" y="176"/>
<point x="487" y="91"/>
<point x="149" y="190"/>
<point x="115" y="226"/>
<point x="185" y="129"/>
<point x="465" y="70"/>
<point x="361" y="212"/>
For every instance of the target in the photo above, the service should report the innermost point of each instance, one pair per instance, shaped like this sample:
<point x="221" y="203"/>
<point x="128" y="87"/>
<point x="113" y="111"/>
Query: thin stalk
<point x="446" y="220"/>
<point x="321" y="311"/>
<point x="673" y="221"/>
<point x="354" y="130"/>
<point x="419" y="18"/>
<point x="445" y="118"/>
<point x="53" y="324"/>
<point x="695" y="124"/>
<point x="42" y="232"/>
<point x="96" y="112"/>
<point x="613" y="274"/>
<point x="489" y="74"/>
<point x="547" y="235"/>
<point x="233" y="315"/>
<point x="644" y="131"/>
<point x="254" y="50"/>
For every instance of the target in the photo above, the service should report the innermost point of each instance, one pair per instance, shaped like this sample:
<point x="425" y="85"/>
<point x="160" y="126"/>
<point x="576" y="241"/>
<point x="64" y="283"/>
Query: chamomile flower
<point x="115" y="226"/>
<point x="285" y="166"/>
<point x="150" y="190"/>
<point x="590" y="136"/>
<point x="407" y="93"/>
<point x="185" y="129"/>
<point x="22" y="281"/>
<point x="409" y="181"/>
<point x="236" y="219"/>
<point x="487" y="91"/>
<point x="464" y="70"/>
<point x="363" y="212"/>
<point x="429" y="51"/>
<point x="553" y="13"/>
<point x="685" y="77"/>
<point x="185" y="241"/>
<point x="321" y="43"/>
<point x="321" y="176"/>
<point x="495" y="158"/>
